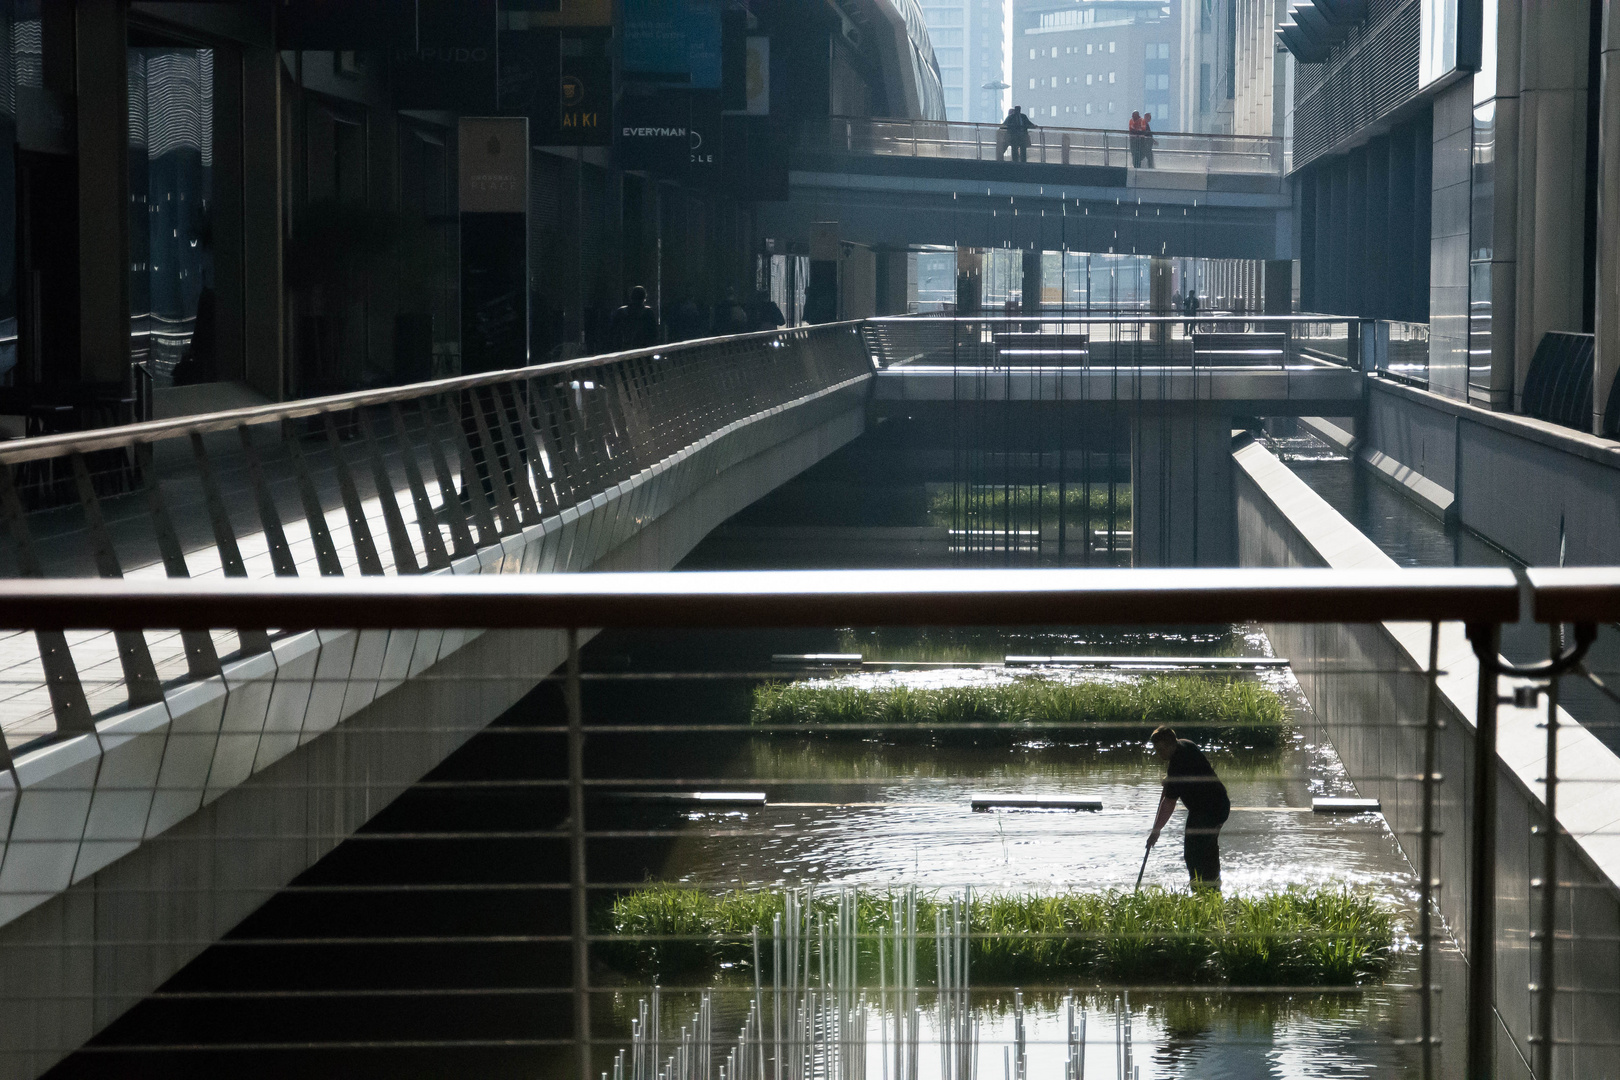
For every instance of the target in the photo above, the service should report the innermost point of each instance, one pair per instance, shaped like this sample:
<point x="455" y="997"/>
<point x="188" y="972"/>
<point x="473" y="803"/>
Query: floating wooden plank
<point x="1153" y="663"/>
<point x="708" y="798"/>
<point x="1035" y="802"/>
<point x="1345" y="806"/>
<point x="817" y="659"/>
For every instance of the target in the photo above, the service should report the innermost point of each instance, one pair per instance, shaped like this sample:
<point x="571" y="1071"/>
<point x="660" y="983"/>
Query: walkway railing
<point x="397" y="481"/>
<point x="1053" y="339"/>
<point x="1175" y="152"/>
<point x="1439" y="777"/>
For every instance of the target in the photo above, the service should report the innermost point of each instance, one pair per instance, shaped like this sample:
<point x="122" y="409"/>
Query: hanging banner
<point x="341" y="25"/>
<point x="652" y="133"/>
<point x="494" y="192"/>
<point x="451" y="64"/>
<point x="553" y="14"/>
<point x="705" y="135"/>
<point x="673" y="41"/>
<point x="585" y="95"/>
<point x="758" y="78"/>
<point x="494" y="165"/>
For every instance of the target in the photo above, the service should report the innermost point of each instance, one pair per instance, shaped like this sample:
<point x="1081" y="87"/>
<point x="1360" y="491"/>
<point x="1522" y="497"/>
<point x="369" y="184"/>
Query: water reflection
<point x="848" y="811"/>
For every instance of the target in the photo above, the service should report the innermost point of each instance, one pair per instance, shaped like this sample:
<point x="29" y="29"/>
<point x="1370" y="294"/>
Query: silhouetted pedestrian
<point x="686" y="320"/>
<point x="1147" y="140"/>
<point x="765" y="314"/>
<point x="1018" y="126"/>
<point x="633" y="326"/>
<point x="730" y="317"/>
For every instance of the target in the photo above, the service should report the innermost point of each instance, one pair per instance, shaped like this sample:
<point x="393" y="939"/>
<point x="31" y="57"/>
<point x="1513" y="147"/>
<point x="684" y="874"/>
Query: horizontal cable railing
<point x="1177" y="152"/>
<point x="748" y="858"/>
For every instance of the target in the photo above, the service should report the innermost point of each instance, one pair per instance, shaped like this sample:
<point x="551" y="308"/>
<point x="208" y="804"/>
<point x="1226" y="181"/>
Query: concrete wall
<point x="1366" y="685"/>
<point x="132" y="849"/>
<point x="1449" y="240"/>
<point x="1534" y="489"/>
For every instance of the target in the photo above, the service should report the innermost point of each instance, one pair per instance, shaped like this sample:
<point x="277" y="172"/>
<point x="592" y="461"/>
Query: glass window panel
<point x="171" y="167"/>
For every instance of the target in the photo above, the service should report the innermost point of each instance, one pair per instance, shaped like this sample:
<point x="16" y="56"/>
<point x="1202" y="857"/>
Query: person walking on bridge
<point x="1017" y="127"/>
<point x="1190" y="779"/>
<point x="633" y="326"/>
<point x="1135" y="130"/>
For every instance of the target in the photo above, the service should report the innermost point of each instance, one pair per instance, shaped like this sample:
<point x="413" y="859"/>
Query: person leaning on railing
<point x="1017" y="126"/>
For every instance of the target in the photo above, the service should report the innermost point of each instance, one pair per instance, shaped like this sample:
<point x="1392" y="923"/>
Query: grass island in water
<point x="1297" y="937"/>
<point x="1237" y="712"/>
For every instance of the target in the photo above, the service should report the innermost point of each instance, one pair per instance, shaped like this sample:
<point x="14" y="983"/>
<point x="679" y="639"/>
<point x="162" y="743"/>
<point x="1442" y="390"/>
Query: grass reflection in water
<point x="1295" y="937"/>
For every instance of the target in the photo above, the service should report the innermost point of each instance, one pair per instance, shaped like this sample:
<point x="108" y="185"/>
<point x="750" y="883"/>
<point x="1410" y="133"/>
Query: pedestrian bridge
<point x="132" y="758"/>
<point x="908" y="182"/>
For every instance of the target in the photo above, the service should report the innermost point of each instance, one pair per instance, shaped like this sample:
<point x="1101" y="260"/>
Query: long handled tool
<point x="1142" y="871"/>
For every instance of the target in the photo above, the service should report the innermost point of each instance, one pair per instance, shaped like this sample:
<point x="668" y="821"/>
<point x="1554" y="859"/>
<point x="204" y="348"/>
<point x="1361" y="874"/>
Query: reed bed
<point x="1297" y="937"/>
<point x="990" y="503"/>
<point x="1231" y="712"/>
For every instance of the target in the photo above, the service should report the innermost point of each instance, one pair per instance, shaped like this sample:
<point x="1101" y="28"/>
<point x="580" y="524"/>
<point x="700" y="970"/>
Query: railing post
<point x="576" y="829"/>
<point x="460" y="532"/>
<point x="399" y="540"/>
<point x="326" y="556"/>
<point x="140" y="676"/>
<point x="1481" y="1028"/>
<point x="202" y="659"/>
<point x="365" y="545"/>
<point x="252" y="642"/>
<point x="1426" y="859"/>
<point x="269" y="517"/>
<point x="1547" y="969"/>
<point x="62" y="683"/>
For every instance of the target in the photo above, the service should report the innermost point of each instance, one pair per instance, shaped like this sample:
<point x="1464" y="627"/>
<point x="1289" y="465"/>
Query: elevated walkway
<point x="900" y="183"/>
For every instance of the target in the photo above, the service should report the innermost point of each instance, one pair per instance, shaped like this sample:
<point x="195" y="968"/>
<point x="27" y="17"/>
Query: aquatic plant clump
<point x="1228" y="711"/>
<point x="990" y="503"/>
<point x="1298" y="937"/>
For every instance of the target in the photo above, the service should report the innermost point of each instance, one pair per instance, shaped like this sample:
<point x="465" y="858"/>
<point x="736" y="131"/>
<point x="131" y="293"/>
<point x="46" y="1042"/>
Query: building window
<point x="1110" y="106"/>
<point x="1088" y="48"/>
<point x="1152" y="50"/>
<point x="1088" y="108"/>
<point x="1032" y="54"/>
<point x="1164" y="82"/>
<point x="171" y="135"/>
<point x="1088" y="80"/>
<point x="1054" y="110"/>
<point x="1111" y="45"/>
<point x="1111" y="77"/>
<point x="1032" y="84"/>
<point x="1164" y="50"/>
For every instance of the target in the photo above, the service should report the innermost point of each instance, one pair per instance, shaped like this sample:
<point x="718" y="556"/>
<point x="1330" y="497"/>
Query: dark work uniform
<point x="1191" y="778"/>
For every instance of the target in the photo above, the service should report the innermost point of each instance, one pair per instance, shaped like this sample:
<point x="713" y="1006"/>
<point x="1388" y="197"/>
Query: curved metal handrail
<point x="42" y="447"/>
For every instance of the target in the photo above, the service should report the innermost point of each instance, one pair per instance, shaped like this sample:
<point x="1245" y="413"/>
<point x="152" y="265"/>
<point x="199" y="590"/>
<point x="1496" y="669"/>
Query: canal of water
<point x="433" y="944"/>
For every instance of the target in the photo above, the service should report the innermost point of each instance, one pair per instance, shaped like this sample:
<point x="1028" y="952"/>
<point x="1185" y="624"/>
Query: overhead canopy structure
<point x="1313" y="27"/>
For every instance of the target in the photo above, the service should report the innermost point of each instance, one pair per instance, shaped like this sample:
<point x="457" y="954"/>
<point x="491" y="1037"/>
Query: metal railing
<point x="1440" y="777"/>
<point x="397" y="481"/>
<point x="1400" y="351"/>
<point x="1053" y="338"/>
<point x="1176" y="152"/>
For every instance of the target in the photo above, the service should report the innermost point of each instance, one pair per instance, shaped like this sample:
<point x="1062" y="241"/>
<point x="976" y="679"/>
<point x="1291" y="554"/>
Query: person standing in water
<point x="1190" y="779"/>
